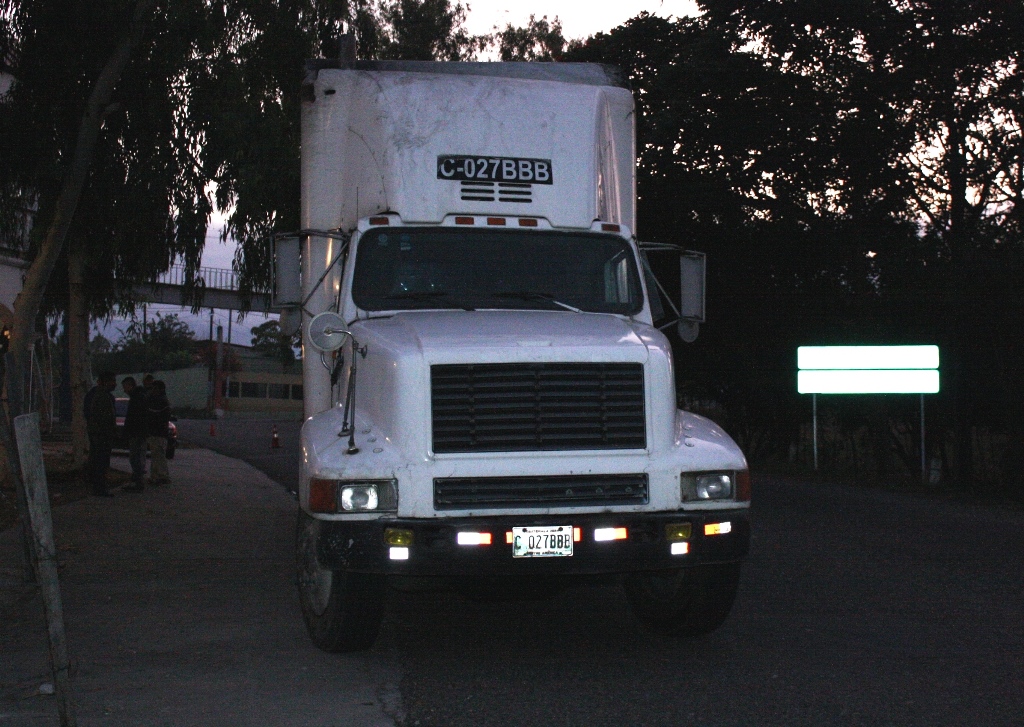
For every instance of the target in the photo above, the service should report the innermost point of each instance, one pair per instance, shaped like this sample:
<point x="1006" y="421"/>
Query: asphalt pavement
<point x="251" y="440"/>
<point x="857" y="606"/>
<point x="181" y="609"/>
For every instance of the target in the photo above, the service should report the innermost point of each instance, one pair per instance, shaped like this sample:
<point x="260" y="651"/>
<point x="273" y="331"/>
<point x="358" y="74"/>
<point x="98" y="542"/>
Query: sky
<point x="579" y="18"/>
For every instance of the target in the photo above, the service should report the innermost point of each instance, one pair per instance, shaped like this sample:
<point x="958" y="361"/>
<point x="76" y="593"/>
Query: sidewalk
<point x="181" y="609"/>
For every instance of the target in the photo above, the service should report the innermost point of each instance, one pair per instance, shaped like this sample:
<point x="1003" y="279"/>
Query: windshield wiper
<point x="438" y="296"/>
<point x="531" y="295"/>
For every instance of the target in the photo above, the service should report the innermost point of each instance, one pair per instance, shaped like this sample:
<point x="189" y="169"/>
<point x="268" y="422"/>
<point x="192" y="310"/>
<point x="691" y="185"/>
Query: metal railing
<point x="213" y="278"/>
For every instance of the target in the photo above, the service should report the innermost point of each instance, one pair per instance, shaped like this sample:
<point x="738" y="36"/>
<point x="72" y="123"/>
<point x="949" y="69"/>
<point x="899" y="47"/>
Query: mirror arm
<point x="661" y="289"/>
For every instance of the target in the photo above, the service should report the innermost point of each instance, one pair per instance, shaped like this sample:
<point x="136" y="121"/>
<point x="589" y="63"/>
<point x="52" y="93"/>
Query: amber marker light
<point x="380" y="221"/>
<point x="678" y="531"/>
<point x="743" y="486"/>
<point x="498" y="221"/>
<point x="528" y="222"/>
<point x="323" y="495"/>
<point x="464" y="220"/>
<point x="718" y="528"/>
<point x="610" y="227"/>
<point x="508" y="537"/>
<point x="577" y="535"/>
<point x="398" y="536"/>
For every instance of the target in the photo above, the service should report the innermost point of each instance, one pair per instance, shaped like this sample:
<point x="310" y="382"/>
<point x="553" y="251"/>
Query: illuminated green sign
<point x="868" y="369"/>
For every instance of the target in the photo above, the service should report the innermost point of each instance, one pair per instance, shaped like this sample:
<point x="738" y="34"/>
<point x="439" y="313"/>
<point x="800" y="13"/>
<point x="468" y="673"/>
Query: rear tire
<point x="688" y="602"/>
<point x="342" y="610"/>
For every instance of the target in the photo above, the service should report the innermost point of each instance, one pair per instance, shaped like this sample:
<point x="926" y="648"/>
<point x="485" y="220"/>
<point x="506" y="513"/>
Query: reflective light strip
<point x="680" y="548"/>
<point x="718" y="528"/>
<point x="867" y="357"/>
<point x="861" y="381"/>
<point x="577" y="535"/>
<point x="474" y="538"/>
<point x="602" y="534"/>
<point x="398" y="553"/>
<point x="508" y="537"/>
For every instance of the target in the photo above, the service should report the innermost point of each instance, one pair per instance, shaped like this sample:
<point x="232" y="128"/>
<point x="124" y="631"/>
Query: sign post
<point x="867" y="370"/>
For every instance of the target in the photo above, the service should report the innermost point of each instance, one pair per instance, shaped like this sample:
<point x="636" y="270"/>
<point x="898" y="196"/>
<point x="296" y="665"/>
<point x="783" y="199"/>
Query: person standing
<point x="158" y="416"/>
<point x="135" y="432"/>
<point x="101" y="422"/>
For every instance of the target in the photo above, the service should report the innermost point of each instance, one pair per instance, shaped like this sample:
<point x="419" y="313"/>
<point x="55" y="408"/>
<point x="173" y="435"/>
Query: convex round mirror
<point x="327" y="332"/>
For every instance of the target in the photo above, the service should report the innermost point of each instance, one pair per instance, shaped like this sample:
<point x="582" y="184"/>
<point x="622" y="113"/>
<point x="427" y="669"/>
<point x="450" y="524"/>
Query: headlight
<point x="359" y="497"/>
<point x="708" y="485"/>
<point x="353" y="495"/>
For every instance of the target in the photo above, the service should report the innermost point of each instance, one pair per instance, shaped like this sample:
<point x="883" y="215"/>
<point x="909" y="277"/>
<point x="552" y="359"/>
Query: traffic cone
<point x="213" y="430"/>
<point x="275" y="443"/>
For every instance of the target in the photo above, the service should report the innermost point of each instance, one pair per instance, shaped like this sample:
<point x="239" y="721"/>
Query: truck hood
<point x="471" y="336"/>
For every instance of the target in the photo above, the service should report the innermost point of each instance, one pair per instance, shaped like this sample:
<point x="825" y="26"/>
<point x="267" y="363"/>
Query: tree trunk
<point x="78" y="351"/>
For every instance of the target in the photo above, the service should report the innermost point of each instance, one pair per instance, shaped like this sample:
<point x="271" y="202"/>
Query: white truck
<point x="488" y="403"/>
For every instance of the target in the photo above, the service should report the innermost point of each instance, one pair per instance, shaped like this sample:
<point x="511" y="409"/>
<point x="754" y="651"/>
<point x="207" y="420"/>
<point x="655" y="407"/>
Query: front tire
<point x="688" y="602"/>
<point x="342" y="610"/>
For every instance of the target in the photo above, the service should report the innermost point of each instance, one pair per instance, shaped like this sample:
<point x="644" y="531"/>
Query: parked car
<point x="121" y="442"/>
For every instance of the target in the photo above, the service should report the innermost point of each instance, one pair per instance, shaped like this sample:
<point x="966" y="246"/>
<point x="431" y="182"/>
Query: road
<point x="856" y="607"/>
<point x="250" y="440"/>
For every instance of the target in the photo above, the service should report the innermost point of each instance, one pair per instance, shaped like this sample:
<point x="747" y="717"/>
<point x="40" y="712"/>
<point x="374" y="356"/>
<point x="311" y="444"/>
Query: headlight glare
<point x="716" y="486"/>
<point x="707" y="486"/>
<point x="358" y="497"/>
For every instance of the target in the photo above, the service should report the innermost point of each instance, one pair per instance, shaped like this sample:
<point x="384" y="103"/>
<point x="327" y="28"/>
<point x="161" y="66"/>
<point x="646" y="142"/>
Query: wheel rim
<point x="315" y="581"/>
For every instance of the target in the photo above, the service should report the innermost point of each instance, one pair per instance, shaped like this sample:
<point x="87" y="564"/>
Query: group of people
<point x="145" y="424"/>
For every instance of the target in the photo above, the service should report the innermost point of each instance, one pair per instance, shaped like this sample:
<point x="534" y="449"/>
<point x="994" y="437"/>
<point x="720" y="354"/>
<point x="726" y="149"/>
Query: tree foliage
<point x="539" y="40"/>
<point x="854" y="172"/>
<point x="164" y="343"/>
<point x="270" y="342"/>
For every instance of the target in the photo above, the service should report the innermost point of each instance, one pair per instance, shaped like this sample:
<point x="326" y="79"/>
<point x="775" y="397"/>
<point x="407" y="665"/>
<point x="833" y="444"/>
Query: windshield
<point x="408" y="268"/>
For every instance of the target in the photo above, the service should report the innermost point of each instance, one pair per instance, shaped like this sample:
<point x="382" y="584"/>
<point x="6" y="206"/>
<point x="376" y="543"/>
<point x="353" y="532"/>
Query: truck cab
<point x="488" y="401"/>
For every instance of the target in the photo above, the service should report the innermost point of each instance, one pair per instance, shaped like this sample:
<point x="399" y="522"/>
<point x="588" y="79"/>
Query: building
<point x="251" y="386"/>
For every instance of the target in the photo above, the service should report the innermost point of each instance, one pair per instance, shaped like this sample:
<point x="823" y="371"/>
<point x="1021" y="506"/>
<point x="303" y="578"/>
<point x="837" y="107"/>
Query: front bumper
<point x="359" y="546"/>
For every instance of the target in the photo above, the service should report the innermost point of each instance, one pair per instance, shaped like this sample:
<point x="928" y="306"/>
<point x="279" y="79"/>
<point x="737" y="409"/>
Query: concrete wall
<point x="185" y="387"/>
<point x="248" y="394"/>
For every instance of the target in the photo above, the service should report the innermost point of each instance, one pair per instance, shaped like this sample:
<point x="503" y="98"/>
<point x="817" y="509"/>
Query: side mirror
<point x="692" y="277"/>
<point x="327" y="332"/>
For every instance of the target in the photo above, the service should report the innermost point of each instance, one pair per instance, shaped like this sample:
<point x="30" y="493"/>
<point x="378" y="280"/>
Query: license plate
<point x="542" y="541"/>
<point x="494" y="169"/>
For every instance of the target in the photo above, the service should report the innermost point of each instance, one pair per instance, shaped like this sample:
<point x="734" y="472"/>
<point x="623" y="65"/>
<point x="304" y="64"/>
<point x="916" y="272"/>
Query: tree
<point x="858" y="167"/>
<point x="540" y="40"/>
<point x="165" y="343"/>
<point x="57" y="201"/>
<point x="426" y="30"/>
<point x="270" y="342"/>
<point x="927" y="135"/>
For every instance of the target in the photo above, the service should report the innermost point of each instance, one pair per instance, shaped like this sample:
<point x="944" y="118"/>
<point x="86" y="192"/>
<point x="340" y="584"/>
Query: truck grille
<point x="537" y="406"/>
<point x="452" y="493"/>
